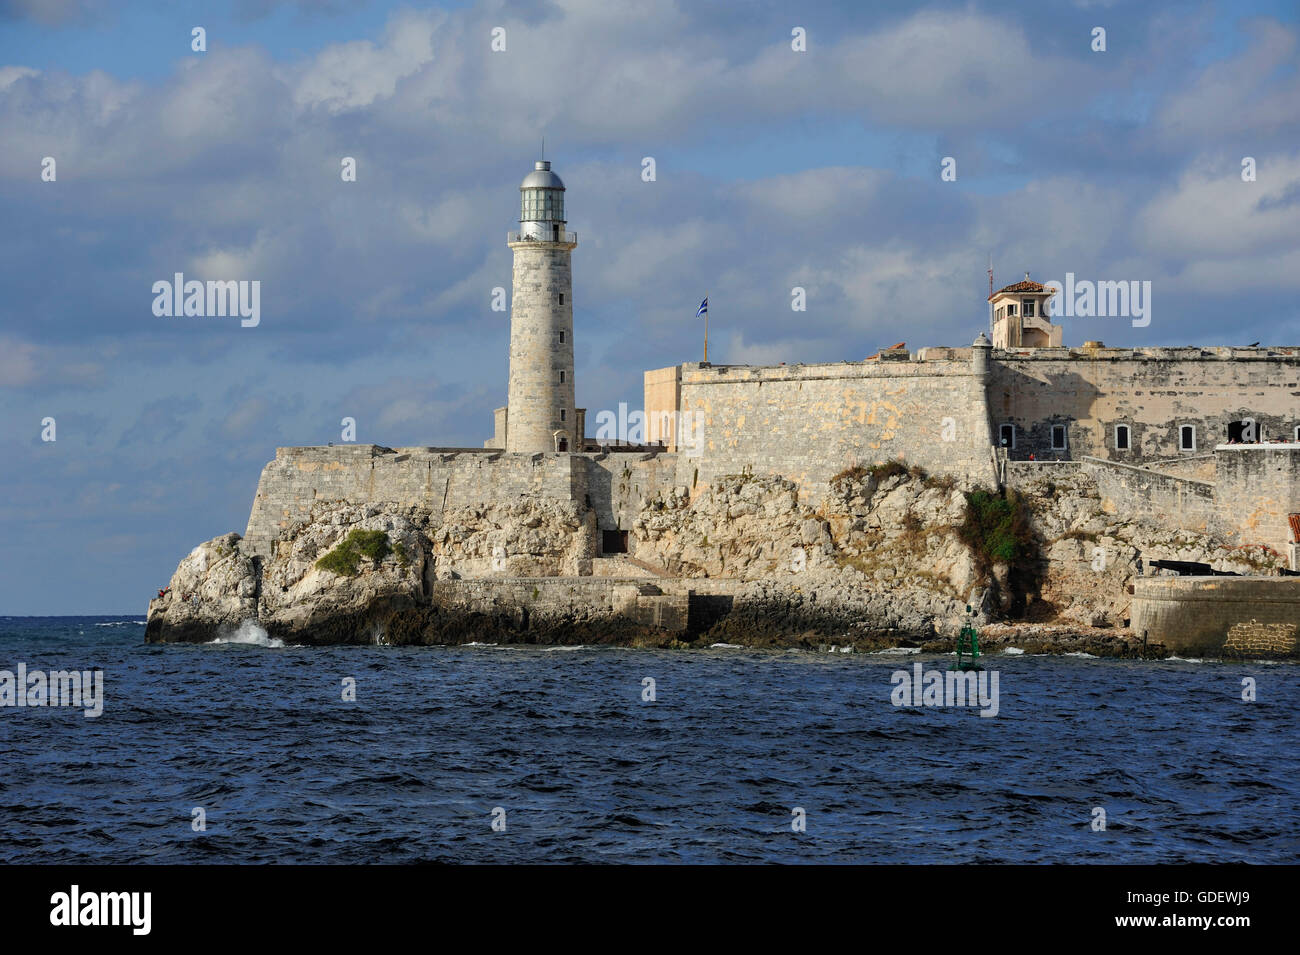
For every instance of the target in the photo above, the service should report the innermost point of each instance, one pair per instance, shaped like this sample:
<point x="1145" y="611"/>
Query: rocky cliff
<point x="888" y="556"/>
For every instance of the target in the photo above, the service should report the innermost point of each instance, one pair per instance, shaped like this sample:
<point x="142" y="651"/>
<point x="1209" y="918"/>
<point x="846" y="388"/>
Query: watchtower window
<point x="563" y="412"/>
<point x="561" y="302"/>
<point x="561" y="377"/>
<point x="1058" y="437"/>
<point x="561" y="333"/>
<point x="1028" y="306"/>
<point x="1121" y="437"/>
<point x="1011" y="310"/>
<point x="1007" y="436"/>
<point x="1242" y="432"/>
<point x="1187" y="438"/>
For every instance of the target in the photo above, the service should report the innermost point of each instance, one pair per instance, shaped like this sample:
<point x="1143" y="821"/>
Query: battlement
<point x="1275" y="353"/>
<point x="929" y="362"/>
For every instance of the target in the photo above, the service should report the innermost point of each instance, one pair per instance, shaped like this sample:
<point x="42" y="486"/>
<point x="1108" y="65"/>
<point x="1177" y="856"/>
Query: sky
<point x="775" y="168"/>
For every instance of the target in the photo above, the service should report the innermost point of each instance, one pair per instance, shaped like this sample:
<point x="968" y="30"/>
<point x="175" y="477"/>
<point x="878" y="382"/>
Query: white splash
<point x="889" y="650"/>
<point x="251" y="634"/>
<point x="725" y="646"/>
<point x="1080" y="654"/>
<point x="1014" y="651"/>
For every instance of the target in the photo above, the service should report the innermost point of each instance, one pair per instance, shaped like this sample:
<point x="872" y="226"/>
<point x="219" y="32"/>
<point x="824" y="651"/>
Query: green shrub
<point x="346" y="557"/>
<point x="996" y="528"/>
<point x="886" y="469"/>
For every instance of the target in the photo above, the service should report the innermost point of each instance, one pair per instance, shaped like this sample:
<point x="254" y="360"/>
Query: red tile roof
<point x="1025" y="286"/>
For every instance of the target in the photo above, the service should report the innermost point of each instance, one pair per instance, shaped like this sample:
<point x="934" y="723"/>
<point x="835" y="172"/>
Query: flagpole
<point x="706" y="328"/>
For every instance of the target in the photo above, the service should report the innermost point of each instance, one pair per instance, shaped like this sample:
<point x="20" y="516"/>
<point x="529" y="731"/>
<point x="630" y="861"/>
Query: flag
<point x="704" y="307"/>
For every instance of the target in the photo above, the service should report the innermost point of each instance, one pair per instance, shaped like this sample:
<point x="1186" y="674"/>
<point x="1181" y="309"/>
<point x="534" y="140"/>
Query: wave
<point x="895" y="650"/>
<point x="1080" y="654"/>
<point x="1015" y="651"/>
<point x="725" y="646"/>
<point x="122" y="623"/>
<point x="250" y="634"/>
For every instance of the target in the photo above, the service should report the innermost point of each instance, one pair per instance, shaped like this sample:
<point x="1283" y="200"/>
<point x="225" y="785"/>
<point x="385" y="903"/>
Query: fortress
<point x="1196" y="438"/>
<point x="1204" y="437"/>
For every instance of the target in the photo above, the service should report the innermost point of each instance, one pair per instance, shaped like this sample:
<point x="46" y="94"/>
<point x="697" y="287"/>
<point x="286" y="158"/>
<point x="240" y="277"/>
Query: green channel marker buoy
<point x="968" y="647"/>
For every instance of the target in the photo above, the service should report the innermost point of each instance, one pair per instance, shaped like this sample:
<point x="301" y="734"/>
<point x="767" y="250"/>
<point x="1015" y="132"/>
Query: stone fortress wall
<point x="808" y="422"/>
<point x="441" y="479"/>
<point x="1153" y="391"/>
<point x="939" y="409"/>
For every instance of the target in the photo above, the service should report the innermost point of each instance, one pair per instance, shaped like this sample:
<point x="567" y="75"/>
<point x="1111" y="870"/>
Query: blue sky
<point x="775" y="169"/>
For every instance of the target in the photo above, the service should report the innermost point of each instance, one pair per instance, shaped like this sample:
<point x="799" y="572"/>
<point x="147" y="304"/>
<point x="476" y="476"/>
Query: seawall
<point x="1218" y="616"/>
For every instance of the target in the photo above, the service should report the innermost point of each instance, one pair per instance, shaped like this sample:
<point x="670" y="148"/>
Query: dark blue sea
<point x="584" y="770"/>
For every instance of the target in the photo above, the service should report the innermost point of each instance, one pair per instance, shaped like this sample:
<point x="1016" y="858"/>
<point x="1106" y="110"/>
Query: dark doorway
<point x="563" y="445"/>
<point x="613" y="542"/>
<point x="1241" y="432"/>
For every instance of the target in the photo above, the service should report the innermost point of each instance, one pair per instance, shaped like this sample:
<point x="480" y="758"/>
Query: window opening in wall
<point x="561" y="338"/>
<point x="563" y="412"/>
<point x="1007" y="436"/>
<point x="561" y="377"/>
<point x="1058" y="437"/>
<point x="1243" y="431"/>
<point x="613" y="542"/>
<point x="1187" y="438"/>
<point x="1121" y="437"/>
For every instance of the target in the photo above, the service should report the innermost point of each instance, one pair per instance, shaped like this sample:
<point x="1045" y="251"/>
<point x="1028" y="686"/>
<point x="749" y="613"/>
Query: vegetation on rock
<point x="345" y="559"/>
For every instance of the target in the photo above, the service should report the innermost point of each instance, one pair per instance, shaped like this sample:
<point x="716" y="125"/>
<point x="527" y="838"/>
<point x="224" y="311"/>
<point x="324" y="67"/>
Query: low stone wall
<point x="1218" y="616"/>
<point x="1139" y="494"/>
<point x="533" y="599"/>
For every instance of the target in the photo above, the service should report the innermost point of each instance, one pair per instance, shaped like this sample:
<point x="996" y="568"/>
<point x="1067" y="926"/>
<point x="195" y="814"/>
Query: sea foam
<point x="251" y="634"/>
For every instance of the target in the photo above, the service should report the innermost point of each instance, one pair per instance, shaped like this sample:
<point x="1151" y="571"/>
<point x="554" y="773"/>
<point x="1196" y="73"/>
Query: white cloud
<point x="351" y="75"/>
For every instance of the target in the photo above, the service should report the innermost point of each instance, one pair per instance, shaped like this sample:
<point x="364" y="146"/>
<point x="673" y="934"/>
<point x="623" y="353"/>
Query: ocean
<point x="507" y="754"/>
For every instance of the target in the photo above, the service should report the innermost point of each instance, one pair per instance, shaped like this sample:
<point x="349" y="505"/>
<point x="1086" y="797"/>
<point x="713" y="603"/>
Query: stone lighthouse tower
<point x="540" y="413"/>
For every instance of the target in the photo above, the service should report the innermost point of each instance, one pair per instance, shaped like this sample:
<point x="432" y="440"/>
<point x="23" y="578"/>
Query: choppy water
<point x="260" y="738"/>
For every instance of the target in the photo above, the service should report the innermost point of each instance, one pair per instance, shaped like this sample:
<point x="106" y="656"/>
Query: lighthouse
<point x="540" y="413"/>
